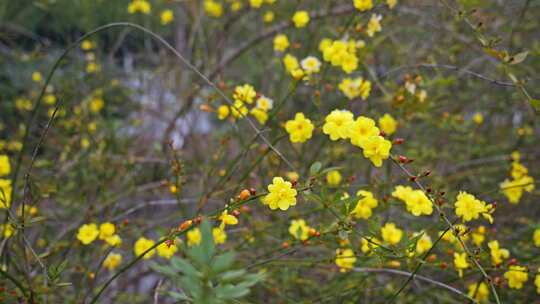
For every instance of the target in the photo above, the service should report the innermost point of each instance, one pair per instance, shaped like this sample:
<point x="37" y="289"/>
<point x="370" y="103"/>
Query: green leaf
<point x="230" y="291"/>
<point x="184" y="266"/>
<point x="166" y="270"/>
<point x="207" y="243"/>
<point x="222" y="262"/>
<point x="179" y="296"/>
<point x="315" y="168"/>
<point x="232" y="275"/>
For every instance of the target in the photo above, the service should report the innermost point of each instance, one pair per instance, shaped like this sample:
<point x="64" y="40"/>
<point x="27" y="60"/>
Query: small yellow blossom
<point x="345" y="259"/>
<point x="5" y="193"/>
<point x="114" y="240"/>
<point x="167" y="250"/>
<point x="536" y="237"/>
<point x="256" y="3"/>
<point x="365" y="204"/>
<point x="281" y="43"/>
<point x="368" y="245"/>
<point x="281" y="195"/>
<point x="244" y="93"/>
<point x="213" y="8"/>
<point x="537" y="281"/>
<point x="478" y="118"/>
<point x="300" y="128"/>
<point x="264" y="103"/>
<point x="311" y="65"/>
<point x="112" y="261"/>
<point x="423" y="244"/>
<point x="227" y="219"/>
<point x="7" y="230"/>
<point x="299" y="229"/>
<point x="142" y="245"/>
<point x="516" y="276"/>
<point x="498" y="255"/>
<point x="388" y="124"/>
<point x="377" y="149"/>
<point x="469" y="207"/>
<point x="363" y="5"/>
<point x="87" y="45"/>
<point x="223" y="112"/>
<point x="478" y="235"/>
<point x="87" y="233"/>
<point x="416" y="201"/>
<point x="361" y="130"/>
<point x="96" y="104"/>
<point x="479" y="292"/>
<point x="139" y="6"/>
<point x="374" y="25"/>
<point x="337" y="124"/>
<point x="36" y="77"/>
<point x="166" y="17"/>
<point x="333" y="178"/>
<point x="391" y="3"/>
<point x="5" y="167"/>
<point x="391" y="234"/>
<point x="23" y="104"/>
<point x="357" y="87"/>
<point x="106" y="230"/>
<point x="194" y="237"/>
<point x="239" y="109"/>
<point x="268" y="17"/>
<point x="300" y="19"/>
<point x="260" y="115"/>
<point x="460" y="262"/>
<point x="219" y="235"/>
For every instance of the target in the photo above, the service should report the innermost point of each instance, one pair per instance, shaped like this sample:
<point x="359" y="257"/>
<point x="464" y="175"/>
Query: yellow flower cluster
<point x="5" y="184"/>
<point x="521" y="181"/>
<point x="416" y="201"/>
<point x="88" y="233"/>
<point x="391" y="234"/>
<point x="299" y="229"/>
<point x="345" y="259"/>
<point x="281" y="195"/>
<point x="341" y="53"/>
<point x="362" y="132"/>
<point x="353" y="88"/>
<point x="365" y="204"/>
<point x="300" y="128"/>
<point x="303" y="69"/>
<point x="139" y="6"/>
<point x="165" y="249"/>
<point x="246" y="95"/>
<point x="469" y="208"/>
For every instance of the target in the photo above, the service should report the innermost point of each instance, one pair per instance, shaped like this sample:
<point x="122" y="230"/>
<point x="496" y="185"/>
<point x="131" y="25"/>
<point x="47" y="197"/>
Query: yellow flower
<point x="337" y="124"/>
<point x="87" y="233"/>
<point x="300" y="128"/>
<point x="299" y="229"/>
<point x="5" y="167"/>
<point x="416" y="201"/>
<point x="227" y="219"/>
<point x="281" y="43"/>
<point x="166" y="250"/>
<point x="23" y="104"/>
<point x="36" y="76"/>
<point x="96" y="104"/>
<point x="498" y="255"/>
<point x="194" y="237"/>
<point x="264" y="103"/>
<point x="536" y="237"/>
<point x="7" y="230"/>
<point x="513" y="190"/>
<point x="300" y="19"/>
<point x="333" y="178"/>
<point x="460" y="262"/>
<point x="469" y="207"/>
<point x="388" y="124"/>
<point x="291" y="63"/>
<point x="423" y="244"/>
<point x="324" y="44"/>
<point x="268" y="17"/>
<point x="260" y="115"/>
<point x="374" y="25"/>
<point x="311" y="65"/>
<point x="480" y="292"/>
<point x="518" y="170"/>
<point x="244" y="93"/>
<point x="516" y="276"/>
<point x="87" y="45"/>
<point x="281" y="195"/>
<point x="478" y="118"/>
<point x="114" y="240"/>
<point x="391" y="3"/>
<point x="223" y="112"/>
<point x="292" y="176"/>
<point x="353" y="88"/>
<point x="112" y="261"/>
<point x="377" y="149"/>
<point x="219" y="235"/>
<point x="213" y="8"/>
<point x="141" y="6"/>
<point x="5" y="193"/>
<point x="106" y="230"/>
<point x="363" y="5"/>
<point x="167" y="16"/>
<point x="239" y="109"/>
<point x="255" y="3"/>
<point x="236" y="5"/>
<point x="361" y="130"/>
<point x="49" y="99"/>
<point x="515" y="156"/>
<point x="143" y="244"/>
<point x="391" y="234"/>
<point x="478" y="235"/>
<point x="364" y="205"/>
<point x="537" y="282"/>
<point x="345" y="259"/>
<point x="343" y="54"/>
